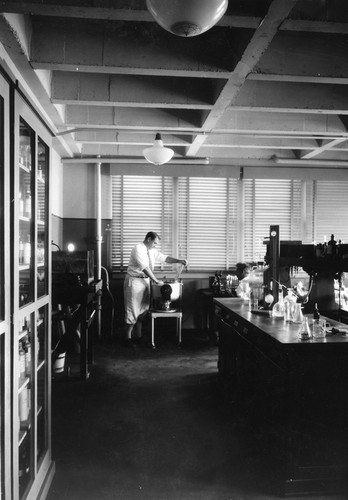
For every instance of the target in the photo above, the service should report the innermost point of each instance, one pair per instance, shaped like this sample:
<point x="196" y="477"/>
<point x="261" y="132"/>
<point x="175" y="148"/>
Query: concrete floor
<point x="152" y="425"/>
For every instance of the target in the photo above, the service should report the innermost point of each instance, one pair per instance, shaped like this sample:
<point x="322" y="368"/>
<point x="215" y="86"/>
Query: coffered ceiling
<point x="266" y="86"/>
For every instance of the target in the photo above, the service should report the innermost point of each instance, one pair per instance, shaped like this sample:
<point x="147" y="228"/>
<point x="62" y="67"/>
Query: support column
<point x="99" y="239"/>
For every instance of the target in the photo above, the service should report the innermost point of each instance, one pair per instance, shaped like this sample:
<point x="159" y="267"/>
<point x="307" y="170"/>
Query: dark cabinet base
<point x="294" y="401"/>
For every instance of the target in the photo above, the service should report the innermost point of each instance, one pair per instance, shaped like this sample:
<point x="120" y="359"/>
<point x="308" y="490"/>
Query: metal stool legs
<point x="154" y="315"/>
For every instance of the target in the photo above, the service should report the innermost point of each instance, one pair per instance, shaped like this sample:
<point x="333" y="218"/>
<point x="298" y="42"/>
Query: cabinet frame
<point x="41" y="471"/>
<point x="5" y="320"/>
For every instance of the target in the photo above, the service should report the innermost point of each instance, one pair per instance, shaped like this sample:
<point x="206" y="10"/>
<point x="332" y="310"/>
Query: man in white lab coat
<point x="137" y="282"/>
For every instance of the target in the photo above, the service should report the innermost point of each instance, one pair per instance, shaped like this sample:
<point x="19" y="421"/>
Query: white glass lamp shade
<point x="157" y="153"/>
<point x="187" y="17"/>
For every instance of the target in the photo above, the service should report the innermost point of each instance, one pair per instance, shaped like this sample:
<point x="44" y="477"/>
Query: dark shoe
<point x="128" y="343"/>
<point x="140" y="342"/>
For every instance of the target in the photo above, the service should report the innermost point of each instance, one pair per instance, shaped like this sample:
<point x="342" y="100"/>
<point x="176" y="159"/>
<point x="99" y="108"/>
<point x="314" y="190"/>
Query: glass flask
<point x="289" y="303"/>
<point x="305" y="332"/>
<point x="279" y="307"/>
<point x="297" y="314"/>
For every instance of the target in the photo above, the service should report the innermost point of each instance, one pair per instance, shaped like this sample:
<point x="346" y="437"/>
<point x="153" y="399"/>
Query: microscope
<point x="324" y="263"/>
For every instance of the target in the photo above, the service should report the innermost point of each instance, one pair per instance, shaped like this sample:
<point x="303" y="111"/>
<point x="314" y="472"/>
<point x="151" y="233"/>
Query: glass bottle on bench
<point x="279" y="307"/>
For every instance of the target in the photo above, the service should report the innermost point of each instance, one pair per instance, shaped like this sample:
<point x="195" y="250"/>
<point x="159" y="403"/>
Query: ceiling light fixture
<point x="187" y="17"/>
<point x="157" y="153"/>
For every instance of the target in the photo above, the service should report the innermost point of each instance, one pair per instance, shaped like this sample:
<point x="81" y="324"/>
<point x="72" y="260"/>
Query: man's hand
<point x="184" y="262"/>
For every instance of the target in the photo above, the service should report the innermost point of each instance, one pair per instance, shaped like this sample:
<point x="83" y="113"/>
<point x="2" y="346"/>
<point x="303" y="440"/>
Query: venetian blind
<point x="232" y="223"/>
<point x="199" y="218"/>
<point x="116" y="223"/>
<point x="270" y="202"/>
<point x="330" y="210"/>
<point x="140" y="204"/>
<point x="182" y="222"/>
<point x="207" y="223"/>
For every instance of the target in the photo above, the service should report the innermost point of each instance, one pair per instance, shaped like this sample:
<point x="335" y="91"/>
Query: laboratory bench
<point x="292" y="393"/>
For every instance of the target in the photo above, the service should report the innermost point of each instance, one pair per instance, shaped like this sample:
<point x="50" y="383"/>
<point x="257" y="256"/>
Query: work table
<point x="277" y="328"/>
<point x="290" y="391"/>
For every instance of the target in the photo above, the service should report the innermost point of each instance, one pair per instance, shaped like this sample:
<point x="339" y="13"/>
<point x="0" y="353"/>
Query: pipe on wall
<point x="99" y="237"/>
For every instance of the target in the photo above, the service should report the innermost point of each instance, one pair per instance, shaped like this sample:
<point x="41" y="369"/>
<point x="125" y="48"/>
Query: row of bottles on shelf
<point x="24" y="464"/>
<point x="24" y="349"/>
<point x="25" y="161"/>
<point x="25" y="204"/>
<point x="25" y="363"/>
<point x="332" y="247"/>
<point x="25" y="251"/>
<point x="24" y="373"/>
<point x="40" y="253"/>
<point x="24" y="352"/>
<point x="25" y="154"/>
<point x="24" y="404"/>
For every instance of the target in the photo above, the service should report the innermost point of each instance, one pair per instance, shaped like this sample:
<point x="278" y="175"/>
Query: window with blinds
<point x="140" y="204"/>
<point x="208" y="212"/>
<point x="330" y="210"/>
<point x="199" y="218"/>
<point x="270" y="202"/>
<point x="196" y="218"/>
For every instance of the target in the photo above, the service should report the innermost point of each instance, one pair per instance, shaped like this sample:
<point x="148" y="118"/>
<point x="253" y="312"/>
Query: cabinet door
<point x="42" y="241"/>
<point x="25" y="194"/>
<point x="31" y="299"/>
<point x="5" y="395"/>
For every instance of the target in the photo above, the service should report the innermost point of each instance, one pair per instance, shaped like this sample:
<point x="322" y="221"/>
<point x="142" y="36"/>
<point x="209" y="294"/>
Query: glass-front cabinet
<point x="5" y="296"/>
<point x="32" y="465"/>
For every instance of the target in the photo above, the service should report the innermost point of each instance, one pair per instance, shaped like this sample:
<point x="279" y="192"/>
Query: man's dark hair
<point x="241" y="267"/>
<point x="152" y="235"/>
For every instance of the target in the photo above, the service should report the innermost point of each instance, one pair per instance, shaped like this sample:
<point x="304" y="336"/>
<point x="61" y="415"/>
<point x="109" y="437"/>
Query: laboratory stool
<point x="159" y="314"/>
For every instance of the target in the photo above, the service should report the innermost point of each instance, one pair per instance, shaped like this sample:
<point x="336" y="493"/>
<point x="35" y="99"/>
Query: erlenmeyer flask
<point x="305" y="332"/>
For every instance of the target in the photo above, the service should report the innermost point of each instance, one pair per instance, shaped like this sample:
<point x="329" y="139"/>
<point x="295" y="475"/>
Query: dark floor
<point x="152" y="425"/>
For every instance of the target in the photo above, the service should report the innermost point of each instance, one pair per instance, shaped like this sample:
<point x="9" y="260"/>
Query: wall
<point x="79" y="193"/>
<point x="56" y="196"/>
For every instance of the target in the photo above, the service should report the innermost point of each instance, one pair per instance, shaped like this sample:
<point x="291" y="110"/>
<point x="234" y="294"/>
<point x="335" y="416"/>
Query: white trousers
<point x="136" y="298"/>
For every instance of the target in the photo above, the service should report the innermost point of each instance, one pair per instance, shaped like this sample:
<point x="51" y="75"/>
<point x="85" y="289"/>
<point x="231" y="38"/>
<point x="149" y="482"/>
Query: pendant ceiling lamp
<point x="157" y="153"/>
<point x="187" y="17"/>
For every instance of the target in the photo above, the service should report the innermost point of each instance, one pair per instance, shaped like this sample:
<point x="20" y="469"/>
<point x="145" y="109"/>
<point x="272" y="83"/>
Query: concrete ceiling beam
<point x="103" y="46"/>
<point x="259" y="43"/>
<point x="268" y="77"/>
<point x="103" y="89"/>
<point x="136" y="12"/>
<point x="102" y="116"/>
<point x="325" y="147"/>
<point x="273" y="122"/>
<point x="309" y="55"/>
<point x="289" y="97"/>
